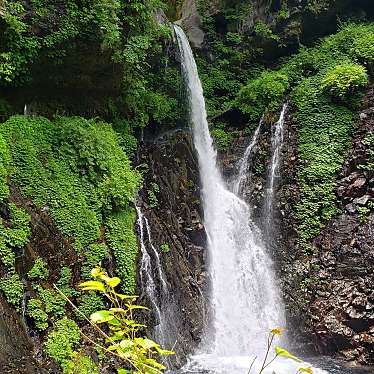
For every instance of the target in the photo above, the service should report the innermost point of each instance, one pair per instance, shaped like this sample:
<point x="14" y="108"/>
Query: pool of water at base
<point x="320" y="365"/>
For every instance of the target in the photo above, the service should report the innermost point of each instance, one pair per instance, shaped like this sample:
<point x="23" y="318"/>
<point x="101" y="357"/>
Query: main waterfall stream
<point x="245" y="298"/>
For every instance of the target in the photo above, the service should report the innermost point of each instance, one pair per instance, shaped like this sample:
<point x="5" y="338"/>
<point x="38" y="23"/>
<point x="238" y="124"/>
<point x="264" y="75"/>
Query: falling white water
<point x="244" y="295"/>
<point x="147" y="279"/>
<point x="276" y="148"/>
<point x="244" y="163"/>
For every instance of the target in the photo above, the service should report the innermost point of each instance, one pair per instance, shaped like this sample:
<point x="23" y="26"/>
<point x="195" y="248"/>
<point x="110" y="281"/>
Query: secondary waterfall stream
<point x="241" y="179"/>
<point x="273" y="173"/>
<point x="154" y="284"/>
<point x="244" y="299"/>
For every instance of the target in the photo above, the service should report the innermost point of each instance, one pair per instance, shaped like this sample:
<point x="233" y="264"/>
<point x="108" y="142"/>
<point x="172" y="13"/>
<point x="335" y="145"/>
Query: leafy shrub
<point x="122" y="241"/>
<point x="264" y="93"/>
<point x="4" y="165"/>
<point x="39" y="269"/>
<point x="94" y="255"/>
<point x="363" y="48"/>
<point x="165" y="247"/>
<point x="64" y="282"/>
<point x="12" y="288"/>
<point x="136" y="353"/>
<point x="221" y="138"/>
<point x="61" y="342"/>
<point x="53" y="302"/>
<point x="320" y="122"/>
<point x="344" y="79"/>
<point x="88" y="304"/>
<point x="81" y="364"/>
<point x="36" y="311"/>
<point x="263" y="30"/>
<point x="152" y="195"/>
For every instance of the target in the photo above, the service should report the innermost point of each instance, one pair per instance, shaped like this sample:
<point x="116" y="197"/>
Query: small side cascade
<point x="273" y="173"/>
<point x="245" y="162"/>
<point x="154" y="288"/>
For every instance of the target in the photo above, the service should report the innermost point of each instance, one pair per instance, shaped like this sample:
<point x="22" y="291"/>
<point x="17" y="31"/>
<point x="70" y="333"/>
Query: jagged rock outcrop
<point x="175" y="221"/>
<point x="191" y="22"/>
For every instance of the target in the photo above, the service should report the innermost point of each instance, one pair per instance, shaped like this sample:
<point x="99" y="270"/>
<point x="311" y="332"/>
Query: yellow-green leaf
<point x="113" y="282"/>
<point x="129" y="306"/>
<point x="101" y="316"/>
<point x="306" y="370"/>
<point x="92" y="285"/>
<point x="282" y="352"/>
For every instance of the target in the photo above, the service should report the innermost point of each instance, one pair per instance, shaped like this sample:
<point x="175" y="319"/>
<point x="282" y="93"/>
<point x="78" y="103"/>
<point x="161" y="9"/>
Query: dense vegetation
<point x="324" y="84"/>
<point x="78" y="170"/>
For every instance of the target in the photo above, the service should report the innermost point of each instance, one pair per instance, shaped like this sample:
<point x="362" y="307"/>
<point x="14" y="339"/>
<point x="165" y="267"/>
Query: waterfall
<point x="244" y="163"/>
<point x="244" y="295"/>
<point x="273" y="174"/>
<point x="155" y="295"/>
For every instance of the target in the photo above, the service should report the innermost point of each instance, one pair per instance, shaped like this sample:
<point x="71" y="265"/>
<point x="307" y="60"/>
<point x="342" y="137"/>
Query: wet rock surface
<point x="176" y="221"/>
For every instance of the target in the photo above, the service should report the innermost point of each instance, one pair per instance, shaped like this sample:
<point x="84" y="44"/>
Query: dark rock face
<point x="16" y="353"/>
<point x="342" y="310"/>
<point x="176" y="221"/>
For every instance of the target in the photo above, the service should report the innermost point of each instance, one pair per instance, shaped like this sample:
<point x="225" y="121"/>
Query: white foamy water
<point x="155" y="290"/>
<point x="273" y="173"/>
<point x="244" y="296"/>
<point x="242" y="177"/>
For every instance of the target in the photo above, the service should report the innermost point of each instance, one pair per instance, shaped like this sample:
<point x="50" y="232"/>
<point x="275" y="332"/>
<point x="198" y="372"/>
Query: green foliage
<point x="64" y="282"/>
<point x="264" y="31"/>
<point x="16" y="232"/>
<point x="36" y="311"/>
<point x="53" y="302"/>
<point x="7" y="256"/>
<point x="88" y="304"/>
<point x="94" y="255"/>
<point x="122" y="241"/>
<point x="93" y="148"/>
<point x="263" y="94"/>
<point x="12" y="288"/>
<point x="134" y="352"/>
<point x="4" y="165"/>
<point x="81" y="364"/>
<point x="324" y="125"/>
<point x="368" y="141"/>
<point x="75" y="168"/>
<point x="165" y="247"/>
<point x="222" y="139"/>
<point x="39" y="270"/>
<point x="61" y="342"/>
<point x="362" y="48"/>
<point x="152" y="195"/>
<point x="344" y="79"/>
<point x="321" y="123"/>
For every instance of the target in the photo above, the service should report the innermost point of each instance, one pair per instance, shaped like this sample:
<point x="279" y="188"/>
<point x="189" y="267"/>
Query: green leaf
<point x="146" y="343"/>
<point x="164" y="352"/>
<point x="92" y="285"/>
<point x="126" y="344"/>
<point x="130" y="307"/>
<point x="102" y="316"/>
<point x="282" y="352"/>
<point x="113" y="282"/>
<point x="123" y="371"/>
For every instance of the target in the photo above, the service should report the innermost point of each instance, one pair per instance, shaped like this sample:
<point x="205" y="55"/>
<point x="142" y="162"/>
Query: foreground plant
<point x="119" y="336"/>
<point x="279" y="352"/>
